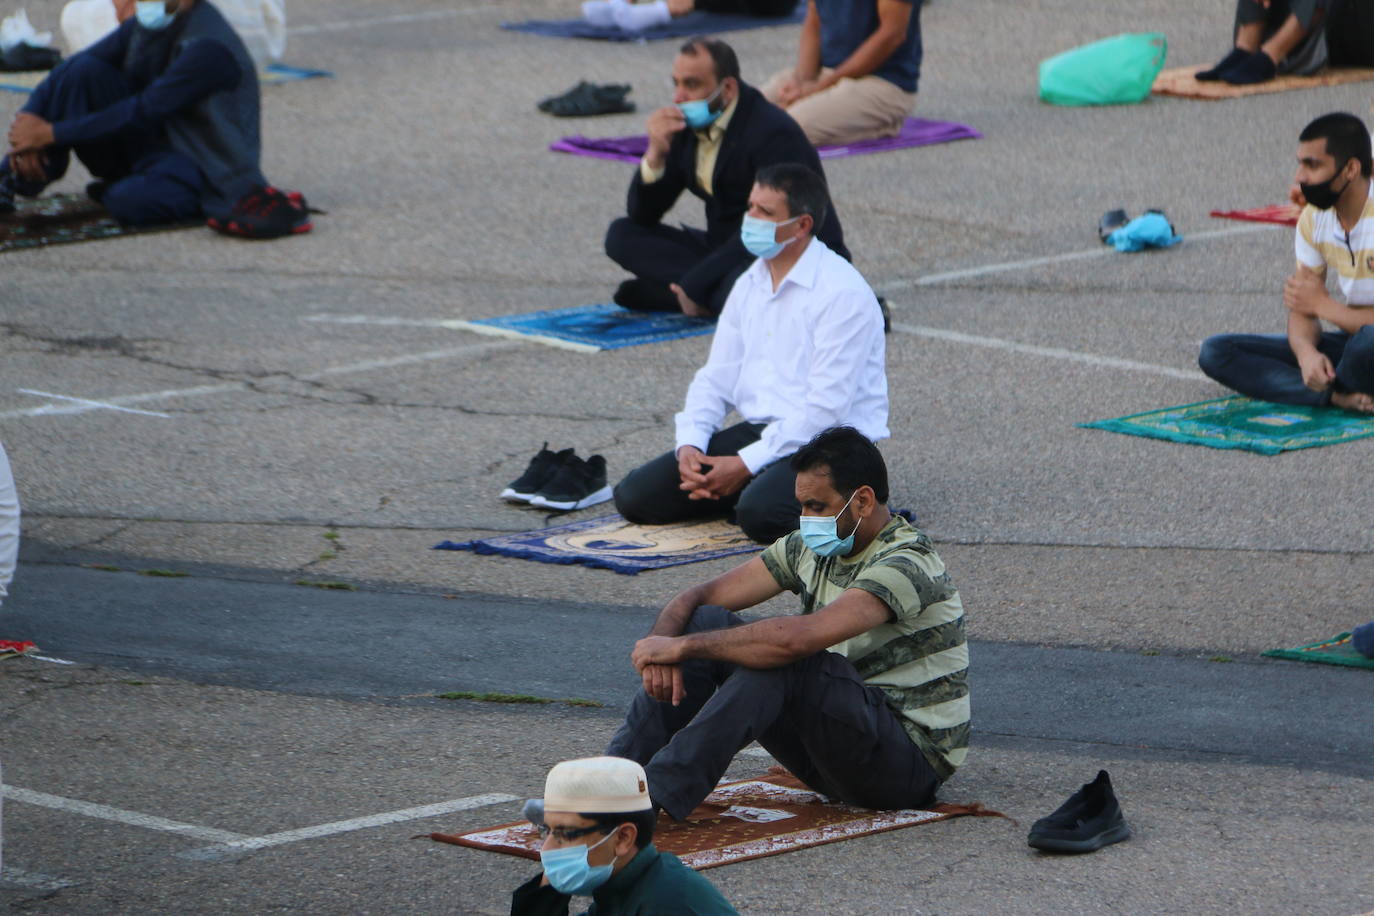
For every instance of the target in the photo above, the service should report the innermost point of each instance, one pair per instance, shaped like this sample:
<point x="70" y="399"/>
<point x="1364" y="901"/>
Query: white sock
<point x="641" y="16"/>
<point x="599" y="13"/>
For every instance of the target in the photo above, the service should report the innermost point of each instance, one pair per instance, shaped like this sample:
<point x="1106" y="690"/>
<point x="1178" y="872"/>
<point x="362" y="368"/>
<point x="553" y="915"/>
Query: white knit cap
<point x="597" y="785"/>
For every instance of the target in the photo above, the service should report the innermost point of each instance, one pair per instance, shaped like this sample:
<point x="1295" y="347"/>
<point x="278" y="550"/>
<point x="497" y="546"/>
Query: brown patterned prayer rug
<point x="64" y="218"/>
<point x="1179" y="81"/>
<point x="738" y="821"/>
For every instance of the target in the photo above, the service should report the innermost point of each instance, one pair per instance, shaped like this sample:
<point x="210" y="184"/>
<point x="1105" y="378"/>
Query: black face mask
<point x="1321" y="195"/>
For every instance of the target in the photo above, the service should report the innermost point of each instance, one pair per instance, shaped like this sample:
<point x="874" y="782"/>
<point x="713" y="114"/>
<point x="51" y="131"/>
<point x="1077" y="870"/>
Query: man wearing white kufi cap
<point x="597" y="823"/>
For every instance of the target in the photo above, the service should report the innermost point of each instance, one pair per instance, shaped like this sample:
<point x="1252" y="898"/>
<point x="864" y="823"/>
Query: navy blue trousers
<point x="1263" y="365"/>
<point x="146" y="180"/>
<point x="816" y="716"/>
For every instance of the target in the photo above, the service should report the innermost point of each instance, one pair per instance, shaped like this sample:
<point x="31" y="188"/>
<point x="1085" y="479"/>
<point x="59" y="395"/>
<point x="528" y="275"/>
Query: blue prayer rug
<point x="589" y="328"/>
<point x="26" y="81"/>
<point x="612" y="543"/>
<point x="697" y="22"/>
<point x="1244" y="423"/>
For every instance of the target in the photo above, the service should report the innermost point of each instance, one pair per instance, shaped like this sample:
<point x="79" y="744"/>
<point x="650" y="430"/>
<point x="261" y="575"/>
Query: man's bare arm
<point x="742" y="587"/>
<point x="773" y="642"/>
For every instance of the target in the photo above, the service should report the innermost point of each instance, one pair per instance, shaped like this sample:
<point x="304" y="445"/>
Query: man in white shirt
<point x="9" y="525"/>
<point x="1309" y="365"/>
<point x="798" y="349"/>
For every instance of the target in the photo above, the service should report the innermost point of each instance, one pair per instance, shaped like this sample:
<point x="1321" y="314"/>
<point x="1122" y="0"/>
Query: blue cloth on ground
<point x="697" y="22"/>
<point x="1362" y="638"/>
<point x="592" y="327"/>
<point x="1151" y="230"/>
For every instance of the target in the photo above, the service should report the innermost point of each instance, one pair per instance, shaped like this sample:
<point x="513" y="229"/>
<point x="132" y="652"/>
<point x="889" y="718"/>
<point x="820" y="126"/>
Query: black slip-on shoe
<point x="577" y="485"/>
<point x="1226" y="63"/>
<point x="1089" y="820"/>
<point x="645" y="296"/>
<point x="538" y="473"/>
<point x="1257" y="67"/>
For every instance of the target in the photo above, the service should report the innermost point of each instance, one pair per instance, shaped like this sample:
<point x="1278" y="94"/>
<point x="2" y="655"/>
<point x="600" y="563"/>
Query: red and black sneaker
<point x="267" y="213"/>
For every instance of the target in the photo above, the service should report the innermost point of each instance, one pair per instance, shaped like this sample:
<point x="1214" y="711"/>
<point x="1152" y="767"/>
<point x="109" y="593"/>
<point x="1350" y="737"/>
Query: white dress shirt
<point x="9" y="524"/>
<point x="800" y="360"/>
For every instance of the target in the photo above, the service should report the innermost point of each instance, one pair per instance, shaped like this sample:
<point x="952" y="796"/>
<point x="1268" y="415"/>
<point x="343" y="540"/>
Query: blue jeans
<point x="1263" y="365"/>
<point x="816" y="716"/>
<point x="146" y="180"/>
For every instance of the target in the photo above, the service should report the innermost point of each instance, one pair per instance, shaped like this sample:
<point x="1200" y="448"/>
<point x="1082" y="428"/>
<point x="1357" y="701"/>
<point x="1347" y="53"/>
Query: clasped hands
<point x="657" y="659"/>
<point x="710" y="476"/>
<point x="29" y="135"/>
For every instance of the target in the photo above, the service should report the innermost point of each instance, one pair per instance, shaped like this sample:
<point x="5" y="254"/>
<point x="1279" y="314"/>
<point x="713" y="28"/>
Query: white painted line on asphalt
<point x="345" y="24"/>
<point x="32" y="880"/>
<point x="1099" y="252"/>
<point x="249" y="844"/>
<point x="456" y="324"/>
<point x="172" y="393"/>
<point x="107" y="813"/>
<point x="1091" y="359"/>
<point x="91" y="405"/>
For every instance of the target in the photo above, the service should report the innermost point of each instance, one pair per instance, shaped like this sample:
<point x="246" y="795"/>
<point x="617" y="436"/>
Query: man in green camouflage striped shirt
<point x="864" y="695"/>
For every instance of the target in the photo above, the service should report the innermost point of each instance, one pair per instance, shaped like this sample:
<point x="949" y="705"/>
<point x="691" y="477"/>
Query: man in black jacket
<point x="712" y="142"/>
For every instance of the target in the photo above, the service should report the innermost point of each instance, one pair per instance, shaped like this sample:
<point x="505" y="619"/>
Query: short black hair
<point x="804" y="189"/>
<point x="723" y="58"/>
<point x="644" y="822"/>
<point x="1346" y="138"/>
<point x="853" y="461"/>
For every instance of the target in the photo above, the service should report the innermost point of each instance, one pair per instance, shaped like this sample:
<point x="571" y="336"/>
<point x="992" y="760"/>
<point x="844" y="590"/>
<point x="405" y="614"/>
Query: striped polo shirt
<point x="919" y="658"/>
<point x="1321" y="243"/>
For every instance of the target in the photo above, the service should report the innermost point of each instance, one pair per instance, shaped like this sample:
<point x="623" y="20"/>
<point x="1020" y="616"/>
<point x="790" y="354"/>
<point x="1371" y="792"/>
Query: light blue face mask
<point x="569" y="872"/>
<point x="698" y="112"/>
<point x="760" y="236"/>
<point x="821" y="534"/>
<point x="153" y="15"/>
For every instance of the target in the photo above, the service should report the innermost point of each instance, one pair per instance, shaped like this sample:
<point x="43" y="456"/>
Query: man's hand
<point x="29" y="166"/>
<point x="789" y="91"/>
<point x="29" y="133"/>
<point x="664" y="683"/>
<point x="680" y="7"/>
<point x="661" y="126"/>
<point x="690" y="469"/>
<point x="1305" y="293"/>
<point x="657" y="659"/>
<point x="1317" y="371"/>
<point x="727" y="475"/>
<point x="685" y="302"/>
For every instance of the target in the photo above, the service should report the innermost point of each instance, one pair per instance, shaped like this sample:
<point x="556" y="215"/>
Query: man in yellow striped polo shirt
<point x="1309" y="365"/>
<point x="863" y="695"/>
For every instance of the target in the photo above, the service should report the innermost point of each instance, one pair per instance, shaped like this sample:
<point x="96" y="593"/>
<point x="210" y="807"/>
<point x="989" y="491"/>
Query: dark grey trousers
<point x="815" y="716"/>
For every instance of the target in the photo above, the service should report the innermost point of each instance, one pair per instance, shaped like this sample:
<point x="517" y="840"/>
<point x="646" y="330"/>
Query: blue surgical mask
<point x="760" y="236"/>
<point x="153" y="15"/>
<point x="569" y="872"/>
<point x="698" y="112"/>
<point x="821" y="534"/>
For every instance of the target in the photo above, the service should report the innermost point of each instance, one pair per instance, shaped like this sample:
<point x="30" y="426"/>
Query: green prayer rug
<point x="1244" y="423"/>
<point x="1337" y="650"/>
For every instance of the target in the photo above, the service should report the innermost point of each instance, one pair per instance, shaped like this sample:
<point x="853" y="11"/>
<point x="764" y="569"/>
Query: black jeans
<point x="1263" y="365"/>
<point x="661" y="255"/>
<point x="816" y="716"/>
<point x="765" y="509"/>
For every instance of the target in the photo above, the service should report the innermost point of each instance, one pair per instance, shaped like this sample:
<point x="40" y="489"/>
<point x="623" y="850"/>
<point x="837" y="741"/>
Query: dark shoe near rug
<point x="588" y="99"/>
<point x="538" y="473"/>
<point x="577" y="485"/>
<point x="1257" y="67"/>
<point x="645" y="296"/>
<point x="1089" y="820"/>
<point x="267" y="213"/>
<point x="1111" y="221"/>
<point x="1226" y="63"/>
<point x="25" y="57"/>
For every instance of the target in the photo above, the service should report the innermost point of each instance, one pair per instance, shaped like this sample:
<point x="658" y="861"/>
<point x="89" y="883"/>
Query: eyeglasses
<point x="568" y="834"/>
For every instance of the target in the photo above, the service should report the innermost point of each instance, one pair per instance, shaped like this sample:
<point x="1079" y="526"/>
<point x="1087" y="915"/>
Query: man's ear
<point x="625" y="839"/>
<point x="865" y="501"/>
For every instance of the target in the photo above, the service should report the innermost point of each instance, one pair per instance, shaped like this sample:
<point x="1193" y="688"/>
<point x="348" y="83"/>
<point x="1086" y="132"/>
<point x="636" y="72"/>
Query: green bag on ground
<point x="1114" y="71"/>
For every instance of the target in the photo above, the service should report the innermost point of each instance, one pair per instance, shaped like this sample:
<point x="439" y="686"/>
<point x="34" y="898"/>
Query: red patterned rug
<point x="740" y="821"/>
<point x="1281" y="214"/>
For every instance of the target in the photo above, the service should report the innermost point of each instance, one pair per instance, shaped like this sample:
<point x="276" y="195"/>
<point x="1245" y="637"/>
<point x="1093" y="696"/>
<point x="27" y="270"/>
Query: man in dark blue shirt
<point x="163" y="111"/>
<point x="857" y="67"/>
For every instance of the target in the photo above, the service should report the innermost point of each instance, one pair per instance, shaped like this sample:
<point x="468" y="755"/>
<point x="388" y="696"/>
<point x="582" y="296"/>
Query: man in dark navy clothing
<point x="163" y="111"/>
<point x="712" y="142"/>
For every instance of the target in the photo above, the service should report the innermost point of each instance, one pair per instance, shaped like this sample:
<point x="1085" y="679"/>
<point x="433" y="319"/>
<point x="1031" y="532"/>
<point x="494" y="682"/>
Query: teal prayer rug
<point x="1335" y="651"/>
<point x="1243" y="423"/>
<point x="64" y="218"/>
<point x="591" y="328"/>
<point x="612" y="543"/>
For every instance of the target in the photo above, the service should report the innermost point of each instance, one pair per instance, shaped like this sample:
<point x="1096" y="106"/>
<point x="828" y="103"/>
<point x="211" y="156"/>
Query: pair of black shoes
<point x="587" y="99"/>
<point x="1089" y="820"/>
<point x="561" y="481"/>
<point x="1241" y="68"/>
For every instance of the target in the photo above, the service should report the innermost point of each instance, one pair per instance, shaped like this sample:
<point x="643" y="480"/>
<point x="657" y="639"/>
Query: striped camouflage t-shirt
<point x="919" y="657"/>
<point x="1320" y="243"/>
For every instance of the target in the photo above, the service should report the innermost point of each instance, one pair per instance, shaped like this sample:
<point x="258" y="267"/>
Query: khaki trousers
<point x="853" y="109"/>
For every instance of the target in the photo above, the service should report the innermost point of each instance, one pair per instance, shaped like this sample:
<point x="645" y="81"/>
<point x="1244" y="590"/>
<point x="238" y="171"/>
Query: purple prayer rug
<point x="914" y="132"/>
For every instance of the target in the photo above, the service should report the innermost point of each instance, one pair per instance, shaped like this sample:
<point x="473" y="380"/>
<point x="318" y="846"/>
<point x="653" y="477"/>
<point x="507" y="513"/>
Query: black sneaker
<point x="537" y="474"/>
<point x="577" y="484"/>
<point x="266" y="213"/>
<point x="1089" y="820"/>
